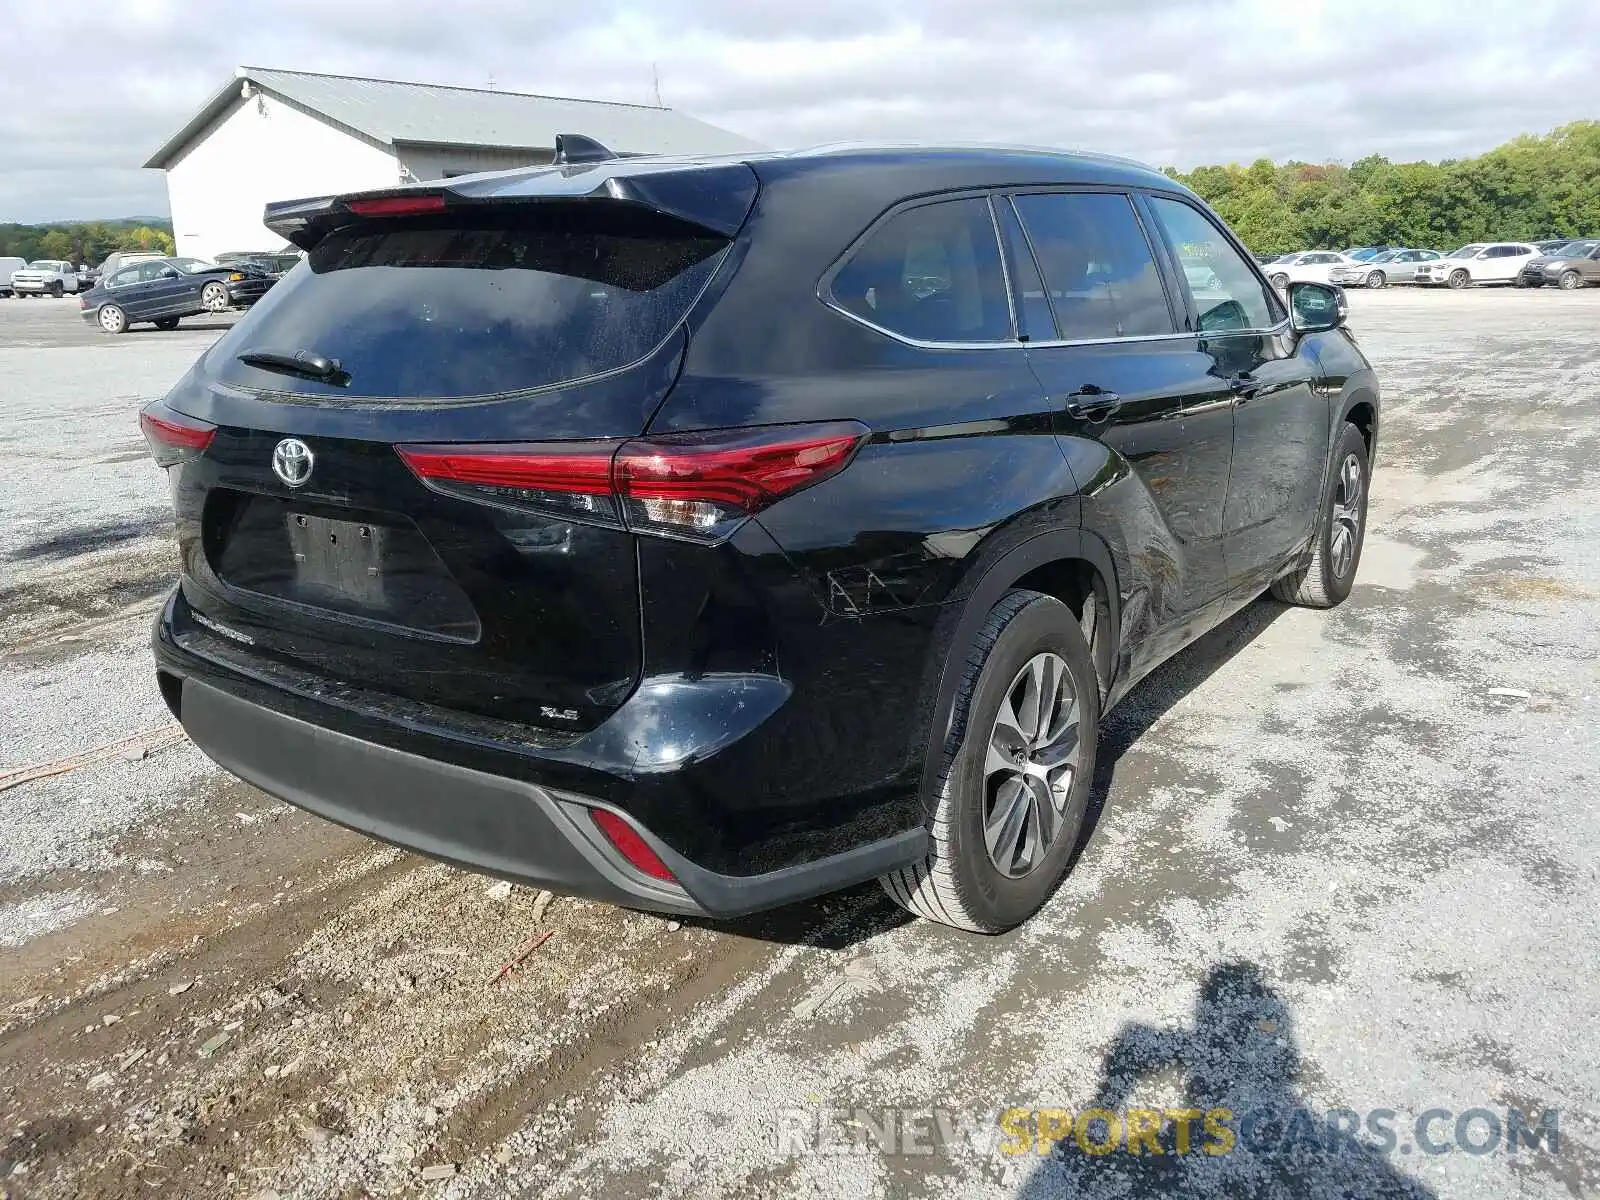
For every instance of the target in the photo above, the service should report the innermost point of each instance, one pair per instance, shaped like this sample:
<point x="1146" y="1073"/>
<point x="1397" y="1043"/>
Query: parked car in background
<point x="1569" y="265"/>
<point x="118" y="259"/>
<point x="1480" y="262"/>
<point x="165" y="290"/>
<point x="1311" y="266"/>
<point x="1549" y="245"/>
<point x="1390" y="266"/>
<point x="274" y="263"/>
<point x="1365" y="253"/>
<point x="482" y="555"/>
<point x="7" y="267"/>
<point x="45" y="277"/>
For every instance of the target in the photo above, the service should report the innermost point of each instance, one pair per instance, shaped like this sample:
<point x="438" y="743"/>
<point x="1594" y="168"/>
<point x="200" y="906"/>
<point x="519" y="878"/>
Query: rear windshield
<point x="449" y="307"/>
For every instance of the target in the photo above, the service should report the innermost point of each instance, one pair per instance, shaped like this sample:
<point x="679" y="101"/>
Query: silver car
<point x="1392" y="266"/>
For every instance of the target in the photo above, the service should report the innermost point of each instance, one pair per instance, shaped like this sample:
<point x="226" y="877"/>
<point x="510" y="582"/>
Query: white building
<point x="284" y="135"/>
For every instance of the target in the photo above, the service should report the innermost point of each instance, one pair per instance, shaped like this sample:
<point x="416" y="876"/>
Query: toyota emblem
<point x="292" y="461"/>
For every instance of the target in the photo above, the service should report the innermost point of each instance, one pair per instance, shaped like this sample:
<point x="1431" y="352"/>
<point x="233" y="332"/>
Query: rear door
<point x="431" y="515"/>
<point x="169" y="290"/>
<point x="1106" y="343"/>
<point x="1502" y="262"/>
<point x="1280" y="414"/>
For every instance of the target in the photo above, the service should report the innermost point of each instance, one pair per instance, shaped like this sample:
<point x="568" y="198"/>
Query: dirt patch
<point x="78" y="598"/>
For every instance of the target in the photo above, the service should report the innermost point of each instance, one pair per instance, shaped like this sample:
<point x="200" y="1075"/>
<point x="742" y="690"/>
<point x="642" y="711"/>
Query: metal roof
<point x="390" y="112"/>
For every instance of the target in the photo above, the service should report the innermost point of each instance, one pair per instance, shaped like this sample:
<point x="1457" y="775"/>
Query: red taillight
<point x="397" y="206"/>
<point x="698" y="485"/>
<point x="630" y="845"/>
<point x="572" y="478"/>
<point x="172" y="437"/>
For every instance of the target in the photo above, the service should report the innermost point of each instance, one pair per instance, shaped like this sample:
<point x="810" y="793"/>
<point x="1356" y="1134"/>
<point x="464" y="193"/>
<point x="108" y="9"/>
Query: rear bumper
<point x="523" y="829"/>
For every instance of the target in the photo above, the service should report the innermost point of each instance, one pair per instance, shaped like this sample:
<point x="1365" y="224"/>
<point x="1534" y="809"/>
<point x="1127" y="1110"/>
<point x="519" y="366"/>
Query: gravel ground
<point x="1344" y="862"/>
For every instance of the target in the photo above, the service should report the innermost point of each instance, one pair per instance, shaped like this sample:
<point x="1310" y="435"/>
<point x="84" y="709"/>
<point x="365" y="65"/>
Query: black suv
<point x="703" y="535"/>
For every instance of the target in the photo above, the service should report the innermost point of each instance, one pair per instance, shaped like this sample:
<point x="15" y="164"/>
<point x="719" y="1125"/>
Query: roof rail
<point x="575" y="148"/>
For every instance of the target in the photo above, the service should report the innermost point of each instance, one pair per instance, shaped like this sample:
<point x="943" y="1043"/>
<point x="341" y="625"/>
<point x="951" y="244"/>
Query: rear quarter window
<point x="930" y="273"/>
<point x="457" y="307"/>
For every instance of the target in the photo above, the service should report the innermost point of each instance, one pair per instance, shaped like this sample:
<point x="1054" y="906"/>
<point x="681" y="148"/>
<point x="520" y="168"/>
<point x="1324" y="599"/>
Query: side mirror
<point x="1316" y="307"/>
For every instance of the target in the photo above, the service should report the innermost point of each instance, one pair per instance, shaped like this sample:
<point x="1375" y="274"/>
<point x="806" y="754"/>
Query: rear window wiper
<point x="302" y="363"/>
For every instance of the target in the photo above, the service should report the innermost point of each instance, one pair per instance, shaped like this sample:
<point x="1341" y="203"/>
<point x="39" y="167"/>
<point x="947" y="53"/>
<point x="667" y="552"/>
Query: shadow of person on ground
<point x="1239" y="1055"/>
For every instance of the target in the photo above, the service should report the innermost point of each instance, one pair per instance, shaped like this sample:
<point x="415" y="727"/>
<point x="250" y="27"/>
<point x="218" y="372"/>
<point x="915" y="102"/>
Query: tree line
<point x="1529" y="189"/>
<point x="85" y="242"/>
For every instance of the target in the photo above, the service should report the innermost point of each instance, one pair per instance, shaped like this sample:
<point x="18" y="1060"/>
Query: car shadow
<point x="842" y="919"/>
<point x="209" y="326"/>
<point x="1238" y="1055"/>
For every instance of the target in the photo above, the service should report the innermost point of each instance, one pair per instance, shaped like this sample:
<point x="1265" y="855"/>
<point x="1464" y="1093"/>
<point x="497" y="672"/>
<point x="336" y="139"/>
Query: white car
<point x="1311" y="266"/>
<point x="1480" y="262"/>
<point x="45" y="277"/>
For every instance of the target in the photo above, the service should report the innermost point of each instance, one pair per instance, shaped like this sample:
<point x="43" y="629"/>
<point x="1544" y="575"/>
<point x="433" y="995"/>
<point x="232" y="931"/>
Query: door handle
<point x="1091" y="403"/>
<point x="1244" y="386"/>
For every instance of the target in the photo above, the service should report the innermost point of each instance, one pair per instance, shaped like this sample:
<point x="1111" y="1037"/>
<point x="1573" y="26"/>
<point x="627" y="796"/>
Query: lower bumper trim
<point x="505" y="827"/>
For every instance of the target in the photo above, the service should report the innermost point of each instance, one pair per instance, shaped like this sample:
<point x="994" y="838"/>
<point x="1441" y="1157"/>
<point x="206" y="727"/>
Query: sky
<point x="89" y="91"/>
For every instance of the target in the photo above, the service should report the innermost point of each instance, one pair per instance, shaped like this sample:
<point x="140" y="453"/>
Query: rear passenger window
<point x="1098" y="269"/>
<point x="1227" y="294"/>
<point x="931" y="273"/>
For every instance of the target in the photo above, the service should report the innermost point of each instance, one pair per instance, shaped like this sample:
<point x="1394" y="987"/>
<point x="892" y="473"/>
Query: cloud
<point x="90" y="92"/>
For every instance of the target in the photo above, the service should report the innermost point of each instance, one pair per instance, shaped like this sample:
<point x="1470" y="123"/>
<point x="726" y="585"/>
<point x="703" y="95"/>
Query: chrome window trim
<point x="1277" y="330"/>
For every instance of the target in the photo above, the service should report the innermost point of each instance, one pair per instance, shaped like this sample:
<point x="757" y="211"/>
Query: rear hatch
<point x="340" y="522"/>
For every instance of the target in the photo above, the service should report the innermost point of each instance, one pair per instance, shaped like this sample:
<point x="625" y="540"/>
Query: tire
<point x="55" y="291"/>
<point x="1027" y="638"/>
<point x="112" y="319"/>
<point x="1377" y="279"/>
<point x="1569" y="280"/>
<point x="1280" y="281"/>
<point x="214" y="297"/>
<point x="165" y="322"/>
<point x="1327" y="578"/>
<point x="1458" y="279"/>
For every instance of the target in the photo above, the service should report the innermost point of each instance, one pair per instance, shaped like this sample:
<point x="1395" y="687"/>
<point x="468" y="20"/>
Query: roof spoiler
<point x="715" y="197"/>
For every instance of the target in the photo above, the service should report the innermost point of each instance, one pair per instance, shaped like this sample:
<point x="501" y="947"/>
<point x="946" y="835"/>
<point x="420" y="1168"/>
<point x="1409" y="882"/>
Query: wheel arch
<point x="1074" y="566"/>
<point x="1361" y="410"/>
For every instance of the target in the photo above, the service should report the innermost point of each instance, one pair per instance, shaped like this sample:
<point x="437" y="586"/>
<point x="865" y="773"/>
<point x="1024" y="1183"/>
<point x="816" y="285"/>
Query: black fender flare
<point x="1349" y="402"/>
<point x="989" y="582"/>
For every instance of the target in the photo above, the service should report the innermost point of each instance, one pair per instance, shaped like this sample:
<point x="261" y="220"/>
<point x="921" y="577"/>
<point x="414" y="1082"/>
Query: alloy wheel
<point x="112" y="319"/>
<point x="214" y="298"/>
<point x="1346" y="531"/>
<point x="1031" y="762"/>
<point x="1570" y="280"/>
